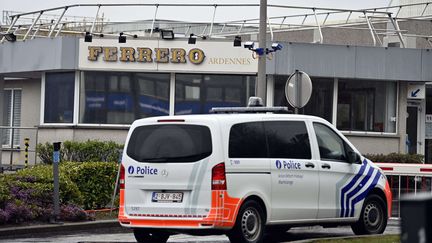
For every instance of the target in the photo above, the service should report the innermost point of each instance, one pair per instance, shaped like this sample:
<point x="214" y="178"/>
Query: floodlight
<point x="167" y="34"/>
<point x="237" y="41"/>
<point x="122" y="38"/>
<point x="88" y="37"/>
<point x="192" y="39"/>
<point x="10" y="37"/>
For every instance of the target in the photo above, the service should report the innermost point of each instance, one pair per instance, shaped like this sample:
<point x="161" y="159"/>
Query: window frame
<point x="75" y="108"/>
<point x="346" y="144"/>
<point x="81" y="77"/>
<point x="11" y="119"/>
<point x="372" y="133"/>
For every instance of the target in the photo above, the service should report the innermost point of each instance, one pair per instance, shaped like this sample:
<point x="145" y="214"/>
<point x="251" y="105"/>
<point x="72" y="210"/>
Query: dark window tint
<point x="59" y="97"/>
<point x="198" y="93"/>
<point x="121" y="97"/>
<point x="247" y="140"/>
<point x="170" y="143"/>
<point x="288" y="139"/>
<point x="331" y="146"/>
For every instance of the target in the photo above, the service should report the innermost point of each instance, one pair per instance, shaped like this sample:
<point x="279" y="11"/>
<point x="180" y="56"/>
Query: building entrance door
<point x="412" y="126"/>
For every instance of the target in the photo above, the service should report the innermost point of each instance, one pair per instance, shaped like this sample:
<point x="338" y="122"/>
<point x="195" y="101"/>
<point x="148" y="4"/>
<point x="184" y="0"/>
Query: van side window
<point x="331" y="146"/>
<point x="287" y="139"/>
<point x="247" y="140"/>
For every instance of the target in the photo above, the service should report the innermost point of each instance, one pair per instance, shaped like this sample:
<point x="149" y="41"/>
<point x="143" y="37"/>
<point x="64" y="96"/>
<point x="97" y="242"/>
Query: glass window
<point x="170" y="143"/>
<point x="12" y="117"/>
<point x="366" y="106"/>
<point x="331" y="146"/>
<point x="59" y="97"/>
<point x="320" y="103"/>
<point x="197" y="94"/>
<point x="287" y="139"/>
<point x="247" y="140"/>
<point x="121" y="98"/>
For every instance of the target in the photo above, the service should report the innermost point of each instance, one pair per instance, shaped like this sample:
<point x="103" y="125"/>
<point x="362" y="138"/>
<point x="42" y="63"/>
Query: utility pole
<point x="261" y="85"/>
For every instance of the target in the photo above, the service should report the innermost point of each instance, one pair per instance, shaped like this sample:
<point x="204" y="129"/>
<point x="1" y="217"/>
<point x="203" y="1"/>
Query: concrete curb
<point x="12" y="232"/>
<point x="339" y="238"/>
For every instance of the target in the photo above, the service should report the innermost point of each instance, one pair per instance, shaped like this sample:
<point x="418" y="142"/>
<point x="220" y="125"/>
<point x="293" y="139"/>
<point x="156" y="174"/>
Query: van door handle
<point x="325" y="166"/>
<point x="310" y="165"/>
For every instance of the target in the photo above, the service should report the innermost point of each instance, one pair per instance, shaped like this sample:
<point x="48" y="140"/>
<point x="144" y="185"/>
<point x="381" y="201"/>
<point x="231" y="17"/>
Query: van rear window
<point x="170" y="143"/>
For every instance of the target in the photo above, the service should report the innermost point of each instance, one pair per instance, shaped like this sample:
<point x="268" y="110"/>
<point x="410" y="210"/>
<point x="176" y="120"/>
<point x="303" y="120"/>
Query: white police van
<point x="246" y="174"/>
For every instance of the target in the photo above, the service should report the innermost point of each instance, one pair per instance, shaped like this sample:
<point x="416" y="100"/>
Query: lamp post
<point x="261" y="85"/>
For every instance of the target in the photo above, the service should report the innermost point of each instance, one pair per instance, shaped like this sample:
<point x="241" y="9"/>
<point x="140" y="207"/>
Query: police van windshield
<point x="170" y="143"/>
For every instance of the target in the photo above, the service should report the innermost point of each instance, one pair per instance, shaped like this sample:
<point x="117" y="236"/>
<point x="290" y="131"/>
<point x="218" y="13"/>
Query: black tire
<point x="149" y="236"/>
<point x="250" y="223"/>
<point x="373" y="217"/>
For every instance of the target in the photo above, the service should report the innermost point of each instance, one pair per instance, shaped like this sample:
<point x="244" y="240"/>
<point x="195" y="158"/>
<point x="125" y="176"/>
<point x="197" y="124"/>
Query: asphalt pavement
<point x="108" y="231"/>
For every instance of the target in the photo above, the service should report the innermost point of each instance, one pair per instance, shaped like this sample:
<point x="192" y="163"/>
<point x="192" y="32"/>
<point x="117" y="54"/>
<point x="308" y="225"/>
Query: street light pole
<point x="261" y="85"/>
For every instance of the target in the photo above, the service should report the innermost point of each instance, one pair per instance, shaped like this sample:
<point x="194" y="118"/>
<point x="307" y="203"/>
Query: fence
<point x="13" y="144"/>
<point x="406" y="178"/>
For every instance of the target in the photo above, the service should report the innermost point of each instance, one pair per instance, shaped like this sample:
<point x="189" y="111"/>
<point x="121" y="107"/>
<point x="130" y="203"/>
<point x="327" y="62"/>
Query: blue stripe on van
<point x="349" y="186"/>
<point x="365" y="193"/>
<point x="362" y="183"/>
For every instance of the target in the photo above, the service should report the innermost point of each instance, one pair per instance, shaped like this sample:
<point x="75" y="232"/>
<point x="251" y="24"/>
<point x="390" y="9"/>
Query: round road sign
<point x="298" y="89"/>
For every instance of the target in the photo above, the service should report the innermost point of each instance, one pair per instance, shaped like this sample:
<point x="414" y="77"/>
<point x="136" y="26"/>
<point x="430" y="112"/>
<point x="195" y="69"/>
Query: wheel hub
<point x="372" y="215"/>
<point x="251" y="224"/>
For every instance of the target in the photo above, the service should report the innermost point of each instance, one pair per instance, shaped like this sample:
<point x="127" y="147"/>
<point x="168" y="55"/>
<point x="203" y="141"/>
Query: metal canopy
<point x="47" y="24"/>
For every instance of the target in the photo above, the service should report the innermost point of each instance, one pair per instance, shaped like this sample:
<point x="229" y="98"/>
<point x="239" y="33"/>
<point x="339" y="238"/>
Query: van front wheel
<point x="373" y="217"/>
<point x="249" y="226"/>
<point x="144" y="235"/>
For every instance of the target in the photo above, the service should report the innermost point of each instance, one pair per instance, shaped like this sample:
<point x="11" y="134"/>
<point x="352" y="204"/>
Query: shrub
<point x="89" y="151"/>
<point x="95" y="180"/>
<point x="72" y="212"/>
<point x="396" y="158"/>
<point x="28" y="194"/>
<point x="40" y="179"/>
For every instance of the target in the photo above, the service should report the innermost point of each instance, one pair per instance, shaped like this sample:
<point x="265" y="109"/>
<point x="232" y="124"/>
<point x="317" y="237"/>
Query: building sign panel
<point x="416" y="91"/>
<point x="166" y="56"/>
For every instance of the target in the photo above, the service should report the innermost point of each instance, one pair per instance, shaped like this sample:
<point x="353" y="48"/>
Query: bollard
<point x="26" y="146"/>
<point x="416" y="214"/>
<point x="56" y="199"/>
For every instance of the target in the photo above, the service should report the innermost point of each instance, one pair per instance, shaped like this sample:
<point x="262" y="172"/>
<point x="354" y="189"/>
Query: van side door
<point x="339" y="179"/>
<point x="294" y="174"/>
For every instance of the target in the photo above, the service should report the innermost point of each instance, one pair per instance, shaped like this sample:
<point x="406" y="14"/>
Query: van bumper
<point x="219" y="217"/>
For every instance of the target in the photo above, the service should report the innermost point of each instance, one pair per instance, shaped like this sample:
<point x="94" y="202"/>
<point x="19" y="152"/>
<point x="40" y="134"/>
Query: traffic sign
<point x="298" y="89"/>
<point x="416" y="91"/>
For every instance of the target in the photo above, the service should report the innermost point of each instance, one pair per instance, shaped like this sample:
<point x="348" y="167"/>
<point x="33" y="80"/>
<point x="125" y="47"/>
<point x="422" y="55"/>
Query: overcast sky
<point x="187" y="14"/>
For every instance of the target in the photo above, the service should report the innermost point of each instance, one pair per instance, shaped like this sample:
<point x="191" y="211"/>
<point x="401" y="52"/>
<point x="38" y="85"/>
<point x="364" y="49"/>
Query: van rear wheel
<point x="373" y="217"/>
<point x="145" y="235"/>
<point x="249" y="226"/>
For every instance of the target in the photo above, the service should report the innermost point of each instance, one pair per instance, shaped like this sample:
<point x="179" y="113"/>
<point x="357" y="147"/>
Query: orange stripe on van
<point x="389" y="197"/>
<point x="222" y="214"/>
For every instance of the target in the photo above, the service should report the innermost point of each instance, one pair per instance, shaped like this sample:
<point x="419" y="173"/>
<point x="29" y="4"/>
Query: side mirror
<point x="353" y="157"/>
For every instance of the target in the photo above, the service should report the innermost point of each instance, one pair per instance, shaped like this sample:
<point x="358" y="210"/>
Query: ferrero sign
<point x="158" y="55"/>
<point x="145" y="54"/>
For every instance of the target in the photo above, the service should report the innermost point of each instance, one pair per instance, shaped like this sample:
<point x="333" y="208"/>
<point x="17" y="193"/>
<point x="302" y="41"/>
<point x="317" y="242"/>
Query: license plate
<point x="176" y="197"/>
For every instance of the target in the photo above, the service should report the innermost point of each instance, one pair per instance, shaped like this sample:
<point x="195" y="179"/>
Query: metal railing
<point x="14" y="143"/>
<point x="406" y="178"/>
<point x="309" y="18"/>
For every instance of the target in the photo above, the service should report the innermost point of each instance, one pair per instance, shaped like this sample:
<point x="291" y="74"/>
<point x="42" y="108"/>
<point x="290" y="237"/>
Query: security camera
<point x="276" y="46"/>
<point x="249" y="45"/>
